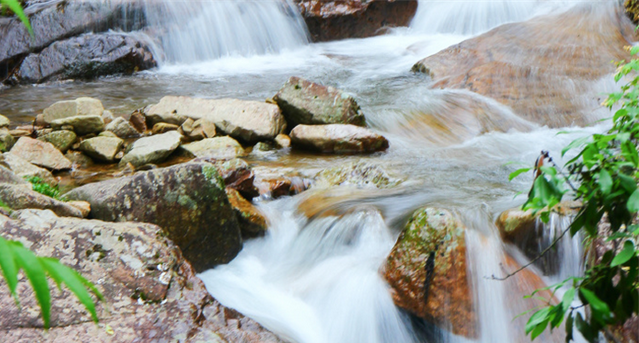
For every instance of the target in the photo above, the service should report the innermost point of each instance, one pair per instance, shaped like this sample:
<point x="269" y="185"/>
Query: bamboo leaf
<point x="624" y="255"/>
<point x="33" y="269"/>
<point x="8" y="265"/>
<point x="605" y="181"/>
<point x="15" y="6"/>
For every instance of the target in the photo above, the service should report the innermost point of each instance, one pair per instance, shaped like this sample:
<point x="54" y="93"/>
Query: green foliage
<point x="16" y="7"/>
<point x="605" y="172"/>
<point x="14" y="257"/>
<point x="43" y="188"/>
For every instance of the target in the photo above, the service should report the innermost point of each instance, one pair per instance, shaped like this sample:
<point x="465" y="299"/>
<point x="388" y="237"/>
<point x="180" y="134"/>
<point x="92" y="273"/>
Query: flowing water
<point x="316" y="278"/>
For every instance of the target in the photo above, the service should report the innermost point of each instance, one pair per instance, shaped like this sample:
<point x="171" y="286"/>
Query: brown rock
<point x="20" y="197"/>
<point x="138" y="120"/>
<point x="338" y="138"/>
<point x="163" y="127"/>
<point x="40" y="153"/>
<point x="283" y="141"/>
<point x="83" y="206"/>
<point x="237" y="174"/>
<point x="252" y="221"/>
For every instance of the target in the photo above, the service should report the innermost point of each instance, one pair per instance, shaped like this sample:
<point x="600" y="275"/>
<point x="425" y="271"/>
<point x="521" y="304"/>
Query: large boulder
<point x="187" y="200"/>
<point x="427" y="271"/>
<point x="249" y="121"/>
<point x="40" y="153"/>
<point x="339" y="19"/>
<point x="545" y="76"/>
<point x="338" y="138"/>
<point x="151" y="294"/>
<point x="70" y="108"/>
<point x="152" y="149"/>
<point x="305" y="102"/>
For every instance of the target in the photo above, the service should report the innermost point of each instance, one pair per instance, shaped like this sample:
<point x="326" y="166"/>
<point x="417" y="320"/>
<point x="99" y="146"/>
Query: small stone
<point x="107" y="116"/>
<point x="215" y="148"/>
<point x="107" y="134"/>
<point x="138" y="121"/>
<point x="102" y="148"/>
<point x="152" y="149"/>
<point x="42" y="132"/>
<point x="338" y="138"/>
<point x="40" y="153"/>
<point x="39" y="120"/>
<point x="283" y="141"/>
<point x="79" y="159"/>
<point x="4" y="121"/>
<point x="252" y="221"/>
<point x="122" y="128"/>
<point x="62" y="140"/>
<point x="6" y="140"/>
<point x="83" y="206"/>
<point x="82" y="125"/>
<point x="163" y="128"/>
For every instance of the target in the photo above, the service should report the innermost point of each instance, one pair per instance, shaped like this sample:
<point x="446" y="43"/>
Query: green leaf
<point x="33" y="269"/>
<point x="605" y="181"/>
<point x="576" y="143"/>
<point x="595" y="303"/>
<point x="517" y="173"/>
<point x="539" y="329"/>
<point x="8" y="265"/>
<point x="568" y="297"/>
<point x="537" y="318"/>
<point x="15" y="6"/>
<point x="624" y="255"/>
<point x="628" y="183"/>
<point x="569" y="326"/>
<point x="633" y="202"/>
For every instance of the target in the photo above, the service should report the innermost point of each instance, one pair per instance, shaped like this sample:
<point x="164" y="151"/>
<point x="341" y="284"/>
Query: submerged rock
<point x="218" y="148"/>
<point x="151" y="293"/>
<point x="102" y="148"/>
<point x="40" y="153"/>
<point x="252" y="221"/>
<point x="427" y="270"/>
<point x="187" y="200"/>
<point x="152" y="149"/>
<point x="338" y="138"/>
<point x="305" y="102"/>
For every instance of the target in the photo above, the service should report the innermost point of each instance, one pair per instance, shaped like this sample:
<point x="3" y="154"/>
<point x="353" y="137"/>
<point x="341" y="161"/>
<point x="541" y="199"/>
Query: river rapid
<point x="317" y="278"/>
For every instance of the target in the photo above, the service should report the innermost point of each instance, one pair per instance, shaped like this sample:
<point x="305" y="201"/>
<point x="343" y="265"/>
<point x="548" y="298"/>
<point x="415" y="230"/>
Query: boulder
<point x="79" y="159"/>
<point x="138" y="121"/>
<point x="252" y="222"/>
<point x="305" y="102"/>
<point x="63" y="140"/>
<point x="339" y="19"/>
<point x="19" y="197"/>
<point x="107" y="116"/>
<point x="218" y="148"/>
<point x="122" y="128"/>
<point x="273" y="183"/>
<point x="83" y="206"/>
<point x="187" y="200"/>
<point x="163" y="128"/>
<point x="237" y="174"/>
<point x="102" y="148"/>
<point x="71" y="108"/>
<point x="4" y="121"/>
<point x="151" y="294"/>
<point x="6" y="140"/>
<point x="338" y="138"/>
<point x="86" y="57"/>
<point x="152" y="149"/>
<point x="195" y="130"/>
<point x="40" y="153"/>
<point x="249" y="121"/>
<point x="359" y="174"/>
<point x="427" y="271"/>
<point x="82" y="125"/>
<point x="25" y="169"/>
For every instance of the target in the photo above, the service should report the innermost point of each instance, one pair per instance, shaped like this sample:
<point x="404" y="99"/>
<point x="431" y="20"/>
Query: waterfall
<point x="195" y="31"/>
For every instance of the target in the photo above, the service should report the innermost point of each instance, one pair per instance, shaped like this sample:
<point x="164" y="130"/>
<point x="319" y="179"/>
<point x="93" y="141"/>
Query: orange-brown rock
<point x="546" y="76"/>
<point x="252" y="221"/>
<point x="428" y="273"/>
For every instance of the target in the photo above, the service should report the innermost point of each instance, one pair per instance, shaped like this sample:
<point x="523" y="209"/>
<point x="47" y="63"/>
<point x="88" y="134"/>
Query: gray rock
<point x="338" y="138"/>
<point x="152" y="149"/>
<point x="23" y="169"/>
<point x="62" y="139"/>
<point x="122" y="128"/>
<point x="4" y="121"/>
<point x="82" y="125"/>
<point x="245" y="120"/>
<point x="223" y="148"/>
<point x="187" y="200"/>
<point x="102" y="148"/>
<point x="195" y="130"/>
<point x="19" y="197"/>
<point x="305" y="102"/>
<point x="40" y="153"/>
<point x="71" y="108"/>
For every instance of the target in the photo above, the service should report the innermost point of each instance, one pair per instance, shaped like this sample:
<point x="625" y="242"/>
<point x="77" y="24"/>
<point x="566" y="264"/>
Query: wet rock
<point x="276" y="183"/>
<point x="152" y="149"/>
<point x="163" y="128"/>
<point x="187" y="200"/>
<point x="86" y="57"/>
<point x="252" y="222"/>
<point x="151" y="293"/>
<point x="102" y="148"/>
<point x="40" y="153"/>
<point x="333" y="20"/>
<point x="6" y="140"/>
<point x="19" y="197"/>
<point x="237" y="174"/>
<point x="337" y="138"/>
<point x="360" y="174"/>
<point x="195" y="130"/>
<point x="79" y="159"/>
<point x="283" y="141"/>
<point x="218" y="148"/>
<point x="138" y="121"/>
<point x="249" y="121"/>
<point x="122" y="128"/>
<point x="24" y="169"/>
<point x="71" y="108"/>
<point x="427" y="271"/>
<point x="528" y="67"/>
<point x="63" y="140"/>
<point x="305" y="102"/>
<point x="4" y="121"/>
<point x="82" y="125"/>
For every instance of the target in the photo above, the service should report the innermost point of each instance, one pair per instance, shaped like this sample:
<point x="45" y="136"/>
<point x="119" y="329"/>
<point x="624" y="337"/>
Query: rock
<point x="40" y="153"/>
<point x="82" y="125"/>
<point x="195" y="130"/>
<point x="360" y="174"/>
<point x="72" y="108"/>
<point x="4" y="121"/>
<point x="138" y="121"/>
<point x="6" y="140"/>
<point x="249" y="121"/>
<point x="62" y="139"/>
<point x="108" y="134"/>
<point x="305" y="102"/>
<point x="237" y="174"/>
<point x="263" y="147"/>
<point x="218" y="148"/>
<point x="163" y="128"/>
<point x="283" y="141"/>
<point x="187" y="200"/>
<point x="102" y="148"/>
<point x="19" y="197"/>
<point x="86" y="57"/>
<point x="534" y="87"/>
<point x="107" y="116"/>
<point x="275" y="183"/>
<point x="7" y="176"/>
<point x="152" y="149"/>
<point x="83" y="206"/>
<point x="338" y="138"/>
<point x="25" y="169"/>
<point x="79" y="159"/>
<point x="151" y="293"/>
<point x="334" y="20"/>
<point x="252" y="222"/>
<point x="122" y="128"/>
<point x="427" y="271"/>
<point x="20" y="133"/>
